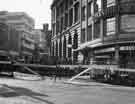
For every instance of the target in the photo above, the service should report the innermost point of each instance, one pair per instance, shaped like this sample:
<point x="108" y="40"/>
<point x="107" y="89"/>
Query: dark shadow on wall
<point x="13" y="91"/>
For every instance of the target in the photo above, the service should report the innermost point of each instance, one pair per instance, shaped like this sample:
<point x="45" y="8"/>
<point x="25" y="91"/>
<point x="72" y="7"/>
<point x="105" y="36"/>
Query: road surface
<point x="14" y="91"/>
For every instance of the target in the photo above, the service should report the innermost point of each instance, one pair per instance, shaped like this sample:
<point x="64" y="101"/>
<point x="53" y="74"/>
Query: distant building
<point x="47" y="38"/>
<point x="37" y="35"/>
<point x="9" y="40"/>
<point x="41" y="39"/>
<point x="25" y="25"/>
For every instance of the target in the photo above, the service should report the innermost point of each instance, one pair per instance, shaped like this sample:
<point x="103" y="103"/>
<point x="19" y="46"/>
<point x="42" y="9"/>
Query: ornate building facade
<point x="90" y="31"/>
<point x="65" y="29"/>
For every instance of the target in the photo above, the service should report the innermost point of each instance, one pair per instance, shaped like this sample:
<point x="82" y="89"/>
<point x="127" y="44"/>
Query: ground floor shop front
<point x="121" y="54"/>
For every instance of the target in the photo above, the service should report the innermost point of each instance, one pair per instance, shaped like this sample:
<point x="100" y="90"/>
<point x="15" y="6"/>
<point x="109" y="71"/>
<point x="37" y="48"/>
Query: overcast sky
<point x="39" y="10"/>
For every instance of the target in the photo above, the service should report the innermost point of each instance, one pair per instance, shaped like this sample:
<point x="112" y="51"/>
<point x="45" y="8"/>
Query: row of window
<point x="91" y="10"/>
<point x="86" y="35"/>
<point x="63" y="7"/>
<point x="127" y="25"/>
<point x="67" y="20"/>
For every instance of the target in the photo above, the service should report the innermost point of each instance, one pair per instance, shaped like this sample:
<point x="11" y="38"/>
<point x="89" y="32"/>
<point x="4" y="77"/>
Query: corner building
<point x="105" y="32"/>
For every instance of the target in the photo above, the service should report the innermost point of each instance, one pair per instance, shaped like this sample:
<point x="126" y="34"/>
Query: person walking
<point x="56" y="73"/>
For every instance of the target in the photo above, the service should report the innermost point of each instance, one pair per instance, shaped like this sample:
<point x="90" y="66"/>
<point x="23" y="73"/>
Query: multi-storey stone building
<point x="103" y="34"/>
<point x="65" y="28"/>
<point x="24" y="24"/>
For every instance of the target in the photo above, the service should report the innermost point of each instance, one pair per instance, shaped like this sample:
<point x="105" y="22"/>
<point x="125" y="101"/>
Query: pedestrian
<point x="56" y="73"/>
<point x="59" y="73"/>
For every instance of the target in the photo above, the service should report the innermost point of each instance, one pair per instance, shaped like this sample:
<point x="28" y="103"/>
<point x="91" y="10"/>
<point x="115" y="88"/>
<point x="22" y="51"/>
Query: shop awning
<point x="103" y="56"/>
<point x="91" y="45"/>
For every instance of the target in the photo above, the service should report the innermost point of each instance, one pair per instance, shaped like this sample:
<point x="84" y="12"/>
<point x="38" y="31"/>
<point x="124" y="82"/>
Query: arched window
<point x="69" y="48"/>
<point x="75" y="46"/>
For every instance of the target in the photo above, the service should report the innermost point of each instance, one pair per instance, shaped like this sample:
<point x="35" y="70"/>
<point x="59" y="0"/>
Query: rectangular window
<point x="89" y="33"/>
<point x="61" y="28"/>
<point x="58" y="12"/>
<point x="111" y="26"/>
<point x="111" y="3"/>
<point x="127" y="23"/>
<point x="53" y="28"/>
<point x="83" y="13"/>
<point x="70" y="17"/>
<point x="77" y="12"/>
<point x="57" y="27"/>
<point x="83" y="35"/>
<point x="97" y="30"/>
<point x="66" y="20"/>
<point x="66" y="4"/>
<point x="70" y="2"/>
<point x="89" y="9"/>
<point x="99" y="4"/>
<point x="123" y="1"/>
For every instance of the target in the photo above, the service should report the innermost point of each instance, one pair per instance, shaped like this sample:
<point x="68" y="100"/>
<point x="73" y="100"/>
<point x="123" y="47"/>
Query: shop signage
<point x="105" y="50"/>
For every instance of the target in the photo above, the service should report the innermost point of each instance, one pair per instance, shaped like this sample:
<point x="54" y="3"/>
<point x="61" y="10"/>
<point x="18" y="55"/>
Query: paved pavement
<point x="14" y="91"/>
